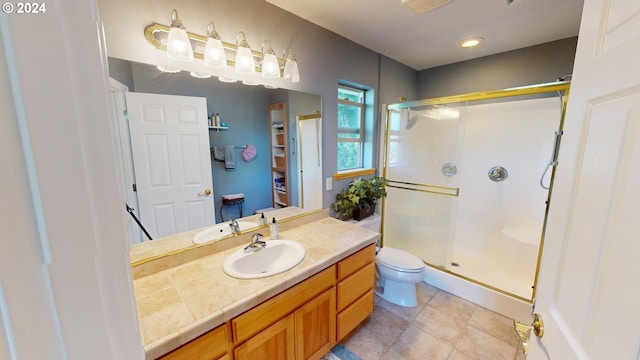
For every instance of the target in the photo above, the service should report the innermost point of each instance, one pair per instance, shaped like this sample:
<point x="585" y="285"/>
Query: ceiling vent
<point x="423" y="6"/>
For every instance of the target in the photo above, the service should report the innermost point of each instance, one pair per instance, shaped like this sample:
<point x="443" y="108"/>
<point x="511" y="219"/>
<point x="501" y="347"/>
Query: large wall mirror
<point x="244" y="110"/>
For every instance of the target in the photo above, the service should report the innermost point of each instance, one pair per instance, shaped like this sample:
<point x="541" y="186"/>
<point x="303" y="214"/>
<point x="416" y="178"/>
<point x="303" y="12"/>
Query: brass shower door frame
<point x="469" y="97"/>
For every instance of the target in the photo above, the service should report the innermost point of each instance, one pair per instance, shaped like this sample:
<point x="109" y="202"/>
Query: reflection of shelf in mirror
<point x="281" y="190"/>
<point x="280" y="203"/>
<point x="218" y="128"/>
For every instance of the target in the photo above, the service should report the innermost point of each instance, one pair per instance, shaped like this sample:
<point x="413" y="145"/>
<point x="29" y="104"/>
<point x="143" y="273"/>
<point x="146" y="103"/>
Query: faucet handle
<point x="256" y="237"/>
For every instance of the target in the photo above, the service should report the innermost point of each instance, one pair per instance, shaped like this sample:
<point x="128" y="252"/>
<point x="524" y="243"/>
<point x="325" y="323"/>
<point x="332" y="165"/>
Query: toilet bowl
<point x="398" y="272"/>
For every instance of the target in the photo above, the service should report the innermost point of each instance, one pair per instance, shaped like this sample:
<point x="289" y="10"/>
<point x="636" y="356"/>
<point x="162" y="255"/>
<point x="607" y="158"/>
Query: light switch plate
<point x="328" y="184"/>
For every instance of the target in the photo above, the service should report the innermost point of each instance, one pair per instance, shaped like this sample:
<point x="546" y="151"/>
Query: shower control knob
<point x="498" y="173"/>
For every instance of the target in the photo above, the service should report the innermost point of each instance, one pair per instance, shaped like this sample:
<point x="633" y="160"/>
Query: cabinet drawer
<point x="354" y="314"/>
<point x="356" y="285"/>
<point x="356" y="261"/>
<point x="210" y="346"/>
<point x="274" y="309"/>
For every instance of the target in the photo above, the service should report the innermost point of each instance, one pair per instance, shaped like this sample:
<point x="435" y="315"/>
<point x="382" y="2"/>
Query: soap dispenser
<point x="263" y="220"/>
<point x="274" y="228"/>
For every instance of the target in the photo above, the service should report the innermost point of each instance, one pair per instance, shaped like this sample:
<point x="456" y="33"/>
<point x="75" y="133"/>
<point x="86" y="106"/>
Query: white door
<point x="310" y="161"/>
<point x="588" y="292"/>
<point x="123" y="155"/>
<point x="172" y="163"/>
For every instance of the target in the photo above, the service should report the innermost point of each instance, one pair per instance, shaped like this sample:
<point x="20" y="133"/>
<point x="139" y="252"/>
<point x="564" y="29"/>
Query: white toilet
<point x="397" y="271"/>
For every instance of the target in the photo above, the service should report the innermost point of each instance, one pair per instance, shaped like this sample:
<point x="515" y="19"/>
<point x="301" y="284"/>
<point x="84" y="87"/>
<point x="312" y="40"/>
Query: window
<point x="351" y="108"/>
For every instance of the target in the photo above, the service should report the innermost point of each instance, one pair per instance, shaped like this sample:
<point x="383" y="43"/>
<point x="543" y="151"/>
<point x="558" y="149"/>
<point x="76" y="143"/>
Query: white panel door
<point x="172" y="163"/>
<point x="588" y="293"/>
<point x="310" y="145"/>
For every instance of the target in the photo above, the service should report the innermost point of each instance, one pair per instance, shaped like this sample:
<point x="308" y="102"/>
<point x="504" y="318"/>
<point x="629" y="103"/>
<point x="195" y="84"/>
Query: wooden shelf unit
<point x="279" y="160"/>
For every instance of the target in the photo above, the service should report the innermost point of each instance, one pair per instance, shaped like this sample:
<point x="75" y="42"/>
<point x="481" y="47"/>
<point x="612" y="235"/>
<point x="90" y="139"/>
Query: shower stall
<point x="470" y="178"/>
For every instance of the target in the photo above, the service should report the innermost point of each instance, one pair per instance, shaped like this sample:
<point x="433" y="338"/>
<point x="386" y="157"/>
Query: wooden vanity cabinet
<point x="211" y="346"/>
<point x="303" y="322"/>
<point x="275" y="342"/>
<point x="356" y="278"/>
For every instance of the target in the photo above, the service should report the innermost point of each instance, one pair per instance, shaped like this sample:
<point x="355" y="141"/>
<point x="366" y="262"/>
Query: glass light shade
<point x="214" y="54"/>
<point x="291" y="72"/>
<point x="244" y="60"/>
<point x="167" y="69"/>
<point x="199" y="75"/>
<point x="270" y="66"/>
<point x="178" y="45"/>
<point x="226" y="79"/>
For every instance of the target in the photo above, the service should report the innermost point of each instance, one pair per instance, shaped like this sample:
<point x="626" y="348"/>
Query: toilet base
<point x="403" y="294"/>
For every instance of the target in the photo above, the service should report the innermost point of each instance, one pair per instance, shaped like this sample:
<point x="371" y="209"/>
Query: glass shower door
<point x="422" y="161"/>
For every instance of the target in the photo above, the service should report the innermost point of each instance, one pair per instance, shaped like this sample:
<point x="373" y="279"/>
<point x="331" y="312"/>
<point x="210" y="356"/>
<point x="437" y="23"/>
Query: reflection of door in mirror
<point x="279" y="162"/>
<point x="123" y="154"/>
<point x="310" y="160"/>
<point x="172" y="164"/>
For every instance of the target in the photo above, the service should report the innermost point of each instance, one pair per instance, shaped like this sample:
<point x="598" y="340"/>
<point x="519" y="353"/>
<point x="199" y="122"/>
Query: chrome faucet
<point x="256" y="244"/>
<point x="235" y="228"/>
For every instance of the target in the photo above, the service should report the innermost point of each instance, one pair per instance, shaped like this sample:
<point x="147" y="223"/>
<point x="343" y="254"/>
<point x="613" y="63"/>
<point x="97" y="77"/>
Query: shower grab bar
<point x="432" y="189"/>
<point x="554" y="158"/>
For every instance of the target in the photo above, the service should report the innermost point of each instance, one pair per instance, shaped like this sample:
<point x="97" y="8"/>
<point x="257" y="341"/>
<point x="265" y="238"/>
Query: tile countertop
<point x="181" y="303"/>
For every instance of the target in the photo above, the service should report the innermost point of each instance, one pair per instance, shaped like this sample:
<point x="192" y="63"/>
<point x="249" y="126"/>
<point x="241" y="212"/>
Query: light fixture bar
<point x="154" y="29"/>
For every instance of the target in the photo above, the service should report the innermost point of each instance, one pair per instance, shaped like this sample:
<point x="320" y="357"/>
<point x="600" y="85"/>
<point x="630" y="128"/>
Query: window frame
<point x="360" y="139"/>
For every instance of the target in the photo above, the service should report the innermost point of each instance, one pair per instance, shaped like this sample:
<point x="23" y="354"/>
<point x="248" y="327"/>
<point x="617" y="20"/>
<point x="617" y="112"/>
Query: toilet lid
<point x="399" y="259"/>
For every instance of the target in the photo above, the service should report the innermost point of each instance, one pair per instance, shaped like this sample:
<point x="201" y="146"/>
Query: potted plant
<point x="359" y="200"/>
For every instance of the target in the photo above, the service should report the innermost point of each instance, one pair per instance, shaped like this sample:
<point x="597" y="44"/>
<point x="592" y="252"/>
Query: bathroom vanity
<point x="195" y="311"/>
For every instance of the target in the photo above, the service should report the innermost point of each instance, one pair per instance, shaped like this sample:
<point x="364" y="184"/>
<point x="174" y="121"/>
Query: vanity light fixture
<point x="182" y="45"/>
<point x="270" y="65"/>
<point x="291" y="72"/>
<point x="168" y="70"/>
<point x="471" y="42"/>
<point x="178" y="43"/>
<point x="225" y="79"/>
<point x="244" y="58"/>
<point x="200" y="75"/>
<point x="214" y="54"/>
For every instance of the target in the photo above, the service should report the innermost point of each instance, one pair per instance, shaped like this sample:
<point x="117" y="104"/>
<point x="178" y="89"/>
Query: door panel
<point x="585" y="289"/>
<point x="170" y="146"/>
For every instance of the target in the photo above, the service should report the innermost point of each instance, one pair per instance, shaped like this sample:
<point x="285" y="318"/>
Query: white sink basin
<point x="277" y="257"/>
<point x="221" y="230"/>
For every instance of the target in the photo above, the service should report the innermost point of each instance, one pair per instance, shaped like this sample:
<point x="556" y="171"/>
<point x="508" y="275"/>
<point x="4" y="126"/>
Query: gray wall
<point x="324" y="57"/>
<point x="532" y="65"/>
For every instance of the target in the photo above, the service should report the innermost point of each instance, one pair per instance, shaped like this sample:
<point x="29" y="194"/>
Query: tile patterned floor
<point x="442" y="326"/>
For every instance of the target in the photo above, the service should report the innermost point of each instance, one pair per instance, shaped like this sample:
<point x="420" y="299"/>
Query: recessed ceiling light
<point x="471" y="42"/>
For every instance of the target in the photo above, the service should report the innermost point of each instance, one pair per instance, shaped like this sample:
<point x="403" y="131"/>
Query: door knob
<point x="523" y="331"/>
<point x="206" y="192"/>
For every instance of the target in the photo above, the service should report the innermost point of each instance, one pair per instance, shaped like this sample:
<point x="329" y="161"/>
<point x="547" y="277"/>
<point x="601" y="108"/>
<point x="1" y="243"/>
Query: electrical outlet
<point x="328" y="184"/>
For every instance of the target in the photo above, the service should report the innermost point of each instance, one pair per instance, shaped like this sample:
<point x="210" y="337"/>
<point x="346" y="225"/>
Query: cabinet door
<point x="274" y="342"/>
<point x="316" y="326"/>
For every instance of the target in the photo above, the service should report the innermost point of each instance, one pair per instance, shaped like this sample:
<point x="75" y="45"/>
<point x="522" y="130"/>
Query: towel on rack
<point x="218" y="153"/>
<point x="229" y="158"/>
<point x="249" y="152"/>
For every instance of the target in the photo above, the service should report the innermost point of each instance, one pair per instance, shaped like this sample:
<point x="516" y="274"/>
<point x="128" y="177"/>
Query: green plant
<point x="360" y="194"/>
